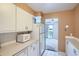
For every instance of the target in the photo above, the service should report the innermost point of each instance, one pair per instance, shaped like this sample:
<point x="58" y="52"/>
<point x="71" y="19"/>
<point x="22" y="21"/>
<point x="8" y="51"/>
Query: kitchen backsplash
<point x="5" y="37"/>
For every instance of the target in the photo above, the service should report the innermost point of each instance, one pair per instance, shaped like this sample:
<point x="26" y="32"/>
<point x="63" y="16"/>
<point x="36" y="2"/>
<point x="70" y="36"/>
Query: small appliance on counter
<point x="23" y="37"/>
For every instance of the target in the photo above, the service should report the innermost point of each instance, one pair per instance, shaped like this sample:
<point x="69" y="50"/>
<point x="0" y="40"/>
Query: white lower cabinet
<point x="31" y="50"/>
<point x="71" y="50"/>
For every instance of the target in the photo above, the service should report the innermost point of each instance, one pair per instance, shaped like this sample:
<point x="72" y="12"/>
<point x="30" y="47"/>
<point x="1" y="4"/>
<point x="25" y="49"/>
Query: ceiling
<point x="51" y="7"/>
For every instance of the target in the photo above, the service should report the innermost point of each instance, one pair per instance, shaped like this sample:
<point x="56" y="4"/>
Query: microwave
<point x="23" y="37"/>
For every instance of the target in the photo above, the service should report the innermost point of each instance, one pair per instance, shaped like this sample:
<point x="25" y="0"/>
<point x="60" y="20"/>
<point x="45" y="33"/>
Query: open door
<point x="51" y="34"/>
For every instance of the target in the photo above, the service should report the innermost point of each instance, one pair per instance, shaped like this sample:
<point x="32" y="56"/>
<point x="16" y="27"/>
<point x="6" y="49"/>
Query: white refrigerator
<point x="38" y="30"/>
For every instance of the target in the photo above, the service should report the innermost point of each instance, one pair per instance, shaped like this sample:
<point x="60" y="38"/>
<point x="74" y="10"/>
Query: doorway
<point x="51" y="34"/>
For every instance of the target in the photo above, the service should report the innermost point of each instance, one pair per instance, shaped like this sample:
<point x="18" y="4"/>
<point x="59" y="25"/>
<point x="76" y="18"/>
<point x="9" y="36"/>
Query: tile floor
<point x="51" y="44"/>
<point x="53" y="53"/>
<point x="51" y="48"/>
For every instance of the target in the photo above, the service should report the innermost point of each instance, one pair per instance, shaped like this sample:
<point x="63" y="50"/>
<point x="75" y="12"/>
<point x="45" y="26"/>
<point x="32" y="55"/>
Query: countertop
<point x="74" y="41"/>
<point x="12" y="49"/>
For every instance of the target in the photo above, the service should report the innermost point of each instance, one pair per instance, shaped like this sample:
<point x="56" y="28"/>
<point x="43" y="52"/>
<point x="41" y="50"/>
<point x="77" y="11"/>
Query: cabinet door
<point x="25" y="52"/>
<point x="76" y="52"/>
<point x="71" y="50"/>
<point x="24" y="20"/>
<point x="30" y="50"/>
<point x="7" y="17"/>
<point x="33" y="50"/>
<point x="29" y="22"/>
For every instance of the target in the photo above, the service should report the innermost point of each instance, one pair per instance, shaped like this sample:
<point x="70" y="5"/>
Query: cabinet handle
<point x="74" y="51"/>
<point x="26" y="27"/>
<point x="33" y="48"/>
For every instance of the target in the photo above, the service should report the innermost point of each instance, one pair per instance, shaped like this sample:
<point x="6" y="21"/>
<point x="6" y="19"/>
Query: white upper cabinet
<point x="7" y="17"/>
<point x="24" y="20"/>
